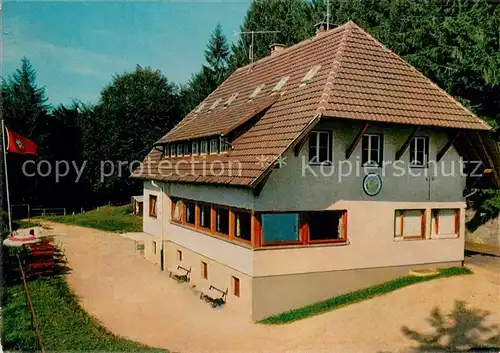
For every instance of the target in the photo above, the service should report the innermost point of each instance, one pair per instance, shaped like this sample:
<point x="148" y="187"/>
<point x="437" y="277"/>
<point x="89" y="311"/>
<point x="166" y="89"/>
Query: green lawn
<point x="357" y="296"/>
<point x="109" y="218"/>
<point x="63" y="324"/>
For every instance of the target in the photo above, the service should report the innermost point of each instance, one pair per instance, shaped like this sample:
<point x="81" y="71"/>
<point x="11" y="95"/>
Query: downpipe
<point x="162" y="264"/>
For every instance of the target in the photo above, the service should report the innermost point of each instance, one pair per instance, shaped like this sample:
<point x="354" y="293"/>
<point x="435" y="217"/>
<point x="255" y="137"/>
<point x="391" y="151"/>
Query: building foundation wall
<point x="276" y="294"/>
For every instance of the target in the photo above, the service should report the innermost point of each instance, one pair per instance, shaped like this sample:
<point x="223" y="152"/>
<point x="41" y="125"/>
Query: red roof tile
<point x="358" y="79"/>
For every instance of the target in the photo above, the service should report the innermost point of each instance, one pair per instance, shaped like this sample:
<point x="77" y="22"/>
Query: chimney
<point x="323" y="27"/>
<point x="276" y="48"/>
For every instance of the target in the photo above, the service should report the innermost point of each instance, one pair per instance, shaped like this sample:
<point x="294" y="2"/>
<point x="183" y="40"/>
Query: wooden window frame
<point x="456" y="228"/>
<point x="413" y="148"/>
<point x="236" y="284"/>
<point x="233" y="225"/>
<point x="184" y="210"/>
<point x="214" y="208"/>
<point x="306" y="230"/>
<point x="173" y="201"/>
<point x="318" y="133"/>
<point x="423" y="224"/>
<point x="281" y="243"/>
<point x="255" y="230"/>
<point x="155" y="213"/>
<point x="198" y="216"/>
<point x="204" y="270"/>
<point x="380" y="150"/>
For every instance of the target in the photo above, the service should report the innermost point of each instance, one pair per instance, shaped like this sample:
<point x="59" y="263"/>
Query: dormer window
<point x="310" y="75"/>
<point x="231" y="99"/>
<point x="203" y="147"/>
<point x="200" y="108"/>
<point x="215" y="104"/>
<point x="214" y="146"/>
<point x="280" y="84"/>
<point x="256" y="91"/>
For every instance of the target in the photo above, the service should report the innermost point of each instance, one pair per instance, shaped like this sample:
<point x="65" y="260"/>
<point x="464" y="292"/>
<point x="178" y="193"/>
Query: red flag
<point x="20" y="144"/>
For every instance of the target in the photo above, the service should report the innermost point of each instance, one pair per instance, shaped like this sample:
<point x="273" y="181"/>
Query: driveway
<point x="134" y="299"/>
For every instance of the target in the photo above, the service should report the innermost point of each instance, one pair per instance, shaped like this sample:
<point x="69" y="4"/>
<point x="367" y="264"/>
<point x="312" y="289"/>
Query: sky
<point x="77" y="47"/>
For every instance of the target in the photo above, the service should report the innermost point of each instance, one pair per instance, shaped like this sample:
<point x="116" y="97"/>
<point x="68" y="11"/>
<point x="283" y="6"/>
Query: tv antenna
<point x="252" y="33"/>
<point x="327" y="15"/>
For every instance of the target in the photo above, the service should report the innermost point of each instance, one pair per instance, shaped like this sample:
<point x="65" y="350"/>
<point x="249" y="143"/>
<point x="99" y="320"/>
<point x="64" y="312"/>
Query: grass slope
<point x="109" y="218"/>
<point x="357" y="296"/>
<point x="63" y="324"/>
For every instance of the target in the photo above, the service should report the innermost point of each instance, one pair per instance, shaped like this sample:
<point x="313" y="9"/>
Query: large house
<point x="323" y="168"/>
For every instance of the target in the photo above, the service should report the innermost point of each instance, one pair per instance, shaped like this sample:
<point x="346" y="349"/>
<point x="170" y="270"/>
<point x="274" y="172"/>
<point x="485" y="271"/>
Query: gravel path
<point x="133" y="298"/>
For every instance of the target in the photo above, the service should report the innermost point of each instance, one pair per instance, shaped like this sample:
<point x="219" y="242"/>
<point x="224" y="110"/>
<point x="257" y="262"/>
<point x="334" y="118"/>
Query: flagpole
<point x="6" y="176"/>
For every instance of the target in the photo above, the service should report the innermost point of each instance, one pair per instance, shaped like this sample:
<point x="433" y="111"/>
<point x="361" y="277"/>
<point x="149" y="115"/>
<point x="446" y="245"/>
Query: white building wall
<point x="371" y="243"/>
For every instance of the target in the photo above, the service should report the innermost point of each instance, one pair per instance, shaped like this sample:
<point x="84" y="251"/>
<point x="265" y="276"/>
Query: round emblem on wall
<point x="372" y="184"/>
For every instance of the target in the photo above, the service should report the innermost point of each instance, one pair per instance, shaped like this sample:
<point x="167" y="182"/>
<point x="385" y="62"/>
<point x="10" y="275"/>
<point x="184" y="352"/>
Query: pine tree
<point x="24" y="104"/>
<point x="216" y="55"/>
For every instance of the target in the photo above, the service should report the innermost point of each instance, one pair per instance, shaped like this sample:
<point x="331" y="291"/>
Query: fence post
<point x="38" y="335"/>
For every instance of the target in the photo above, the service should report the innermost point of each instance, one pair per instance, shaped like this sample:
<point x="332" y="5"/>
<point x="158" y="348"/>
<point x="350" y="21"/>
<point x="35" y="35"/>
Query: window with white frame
<point x="419" y="151"/>
<point x="187" y="148"/>
<point x="445" y="221"/>
<point x="194" y="147"/>
<point x="214" y="146"/>
<point x="203" y="146"/>
<point x="372" y="149"/>
<point x="409" y="224"/>
<point x="320" y="147"/>
<point x="224" y="144"/>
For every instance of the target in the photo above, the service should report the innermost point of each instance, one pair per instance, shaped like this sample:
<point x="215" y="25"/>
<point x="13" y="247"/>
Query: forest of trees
<point x="455" y="43"/>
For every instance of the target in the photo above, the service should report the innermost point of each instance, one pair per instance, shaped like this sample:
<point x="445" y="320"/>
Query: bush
<point x="487" y="203"/>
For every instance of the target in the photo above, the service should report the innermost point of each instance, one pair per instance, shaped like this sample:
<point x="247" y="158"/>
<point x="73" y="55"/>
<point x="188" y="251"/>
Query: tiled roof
<point x="358" y="78"/>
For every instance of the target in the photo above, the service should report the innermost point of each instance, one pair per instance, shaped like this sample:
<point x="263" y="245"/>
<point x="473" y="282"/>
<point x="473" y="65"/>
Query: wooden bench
<point x="181" y="273"/>
<point x="214" y="295"/>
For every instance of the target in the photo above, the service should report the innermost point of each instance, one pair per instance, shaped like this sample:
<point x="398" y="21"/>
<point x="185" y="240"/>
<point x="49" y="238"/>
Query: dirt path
<point x="133" y="298"/>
